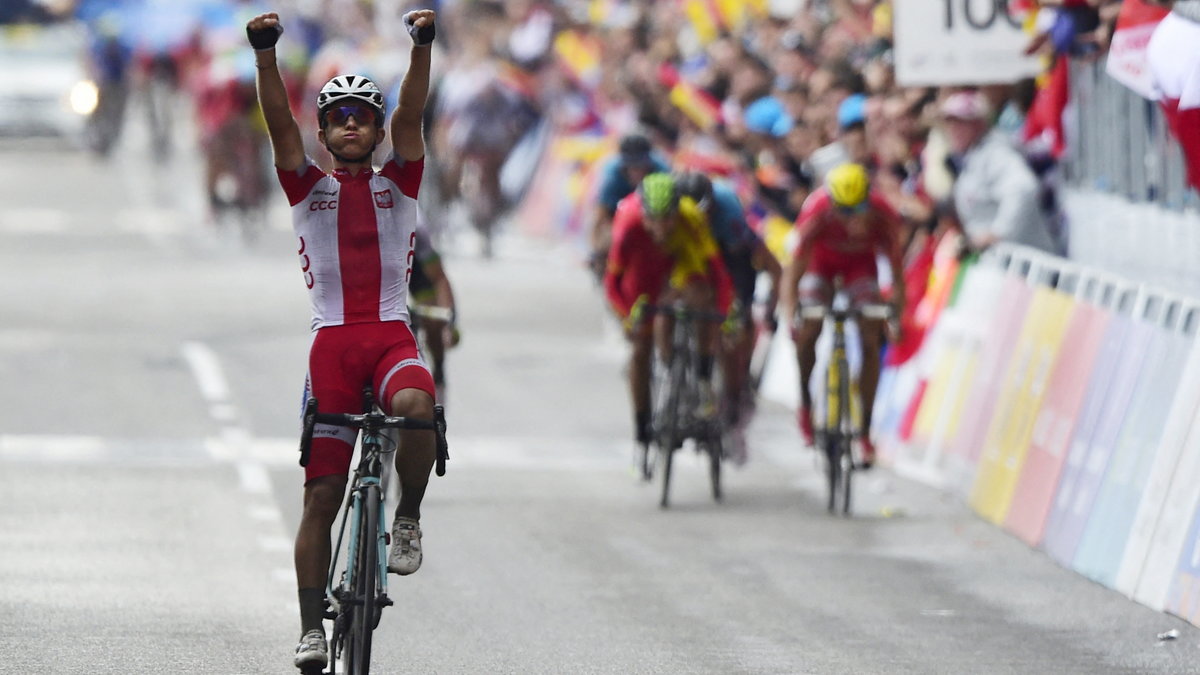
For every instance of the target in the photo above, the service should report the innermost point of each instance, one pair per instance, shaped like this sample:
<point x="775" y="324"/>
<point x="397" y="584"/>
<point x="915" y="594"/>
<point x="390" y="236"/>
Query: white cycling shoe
<point x="312" y="651"/>
<point x="405" y="556"/>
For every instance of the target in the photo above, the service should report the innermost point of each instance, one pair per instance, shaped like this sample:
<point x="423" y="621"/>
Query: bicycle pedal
<point x="384" y="601"/>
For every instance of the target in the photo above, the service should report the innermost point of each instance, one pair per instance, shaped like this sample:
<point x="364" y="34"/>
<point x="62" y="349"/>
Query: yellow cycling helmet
<point x="848" y="185"/>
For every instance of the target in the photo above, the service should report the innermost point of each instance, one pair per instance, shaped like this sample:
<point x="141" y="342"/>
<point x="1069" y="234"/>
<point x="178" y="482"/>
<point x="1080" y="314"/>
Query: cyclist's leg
<point x="815" y="289"/>
<point x="641" y="340"/>
<point x="332" y="382"/>
<point x="404" y="382"/>
<point x="737" y="350"/>
<point x="864" y="288"/>
<point x="698" y="295"/>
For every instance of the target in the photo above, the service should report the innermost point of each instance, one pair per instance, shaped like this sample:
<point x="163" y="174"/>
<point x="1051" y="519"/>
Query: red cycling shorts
<point x="860" y="279"/>
<point x="341" y="362"/>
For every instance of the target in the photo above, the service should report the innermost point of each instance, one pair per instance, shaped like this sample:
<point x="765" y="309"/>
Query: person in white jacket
<point x="996" y="193"/>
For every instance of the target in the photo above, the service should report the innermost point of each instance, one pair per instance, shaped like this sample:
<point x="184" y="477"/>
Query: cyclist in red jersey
<point x="662" y="250"/>
<point x="356" y="230"/>
<point x="843" y="227"/>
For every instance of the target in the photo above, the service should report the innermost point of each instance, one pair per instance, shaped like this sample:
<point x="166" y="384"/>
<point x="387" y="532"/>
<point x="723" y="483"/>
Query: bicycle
<point x="357" y="600"/>
<point x="842" y="422"/>
<point x="677" y="397"/>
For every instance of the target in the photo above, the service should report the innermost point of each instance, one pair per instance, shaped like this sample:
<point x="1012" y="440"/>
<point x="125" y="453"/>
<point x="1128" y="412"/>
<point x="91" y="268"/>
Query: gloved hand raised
<point x="263" y="31"/>
<point x="420" y="26"/>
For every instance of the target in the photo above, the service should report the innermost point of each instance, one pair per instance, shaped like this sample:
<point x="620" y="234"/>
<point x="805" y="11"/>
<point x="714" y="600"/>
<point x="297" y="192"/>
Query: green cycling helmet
<point x="660" y="197"/>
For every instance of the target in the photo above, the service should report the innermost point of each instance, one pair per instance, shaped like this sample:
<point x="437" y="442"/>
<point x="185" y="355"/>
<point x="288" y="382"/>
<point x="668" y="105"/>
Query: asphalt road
<point x="150" y="375"/>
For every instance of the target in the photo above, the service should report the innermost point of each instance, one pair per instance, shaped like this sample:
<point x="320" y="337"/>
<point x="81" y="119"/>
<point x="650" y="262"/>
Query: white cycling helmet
<point x="350" y="86"/>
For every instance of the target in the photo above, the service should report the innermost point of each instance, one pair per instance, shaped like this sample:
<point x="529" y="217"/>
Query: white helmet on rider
<point x="350" y="86"/>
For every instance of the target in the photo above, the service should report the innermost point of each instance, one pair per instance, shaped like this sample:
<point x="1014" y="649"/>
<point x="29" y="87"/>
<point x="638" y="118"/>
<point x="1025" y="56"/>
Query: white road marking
<point x="254" y="478"/>
<point x="265" y="512"/>
<point x="207" y="370"/>
<point x="223" y="412"/>
<point x="65" y="449"/>
<point x="275" y="543"/>
<point x="33" y="221"/>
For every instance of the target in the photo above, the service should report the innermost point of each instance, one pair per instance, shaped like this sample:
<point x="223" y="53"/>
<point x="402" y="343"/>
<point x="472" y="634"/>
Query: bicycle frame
<point x="843" y="412"/>
<point x="366" y="491"/>
<point x="368" y="595"/>
<point x="676" y="402"/>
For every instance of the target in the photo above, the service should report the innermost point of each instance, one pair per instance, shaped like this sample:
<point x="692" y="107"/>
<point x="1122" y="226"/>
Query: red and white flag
<point x="1128" y="62"/>
<point x="1175" y="72"/>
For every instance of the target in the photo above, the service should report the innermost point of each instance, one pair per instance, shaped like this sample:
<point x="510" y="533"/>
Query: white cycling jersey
<point x="356" y="237"/>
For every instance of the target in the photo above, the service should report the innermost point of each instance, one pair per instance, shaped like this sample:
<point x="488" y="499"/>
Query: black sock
<point x="643" y="426"/>
<point x="704" y="368"/>
<point x="312" y="609"/>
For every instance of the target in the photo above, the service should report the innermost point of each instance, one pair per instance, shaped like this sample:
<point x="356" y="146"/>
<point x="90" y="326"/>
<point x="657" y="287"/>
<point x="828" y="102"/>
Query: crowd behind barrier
<point x="1063" y="404"/>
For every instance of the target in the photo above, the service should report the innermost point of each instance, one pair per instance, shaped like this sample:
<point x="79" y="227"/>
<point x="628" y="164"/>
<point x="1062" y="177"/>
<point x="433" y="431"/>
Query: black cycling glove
<point x="421" y="36"/>
<point x="264" y="38"/>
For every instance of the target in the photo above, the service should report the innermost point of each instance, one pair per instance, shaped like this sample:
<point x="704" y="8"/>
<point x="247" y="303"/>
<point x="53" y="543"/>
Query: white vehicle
<point x="44" y="85"/>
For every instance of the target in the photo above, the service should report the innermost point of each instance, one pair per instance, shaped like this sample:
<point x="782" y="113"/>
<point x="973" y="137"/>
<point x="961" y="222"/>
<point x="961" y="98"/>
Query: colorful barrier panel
<point x="1140" y="552"/>
<point x="1056" y="422"/>
<point x="963" y="452"/>
<point x="1183" y="600"/>
<point x="945" y="367"/>
<point x="1021" y="393"/>
<point x="1179" y="505"/>
<point x="1089" y="456"/>
<point x="1102" y="546"/>
<point x="1075" y="421"/>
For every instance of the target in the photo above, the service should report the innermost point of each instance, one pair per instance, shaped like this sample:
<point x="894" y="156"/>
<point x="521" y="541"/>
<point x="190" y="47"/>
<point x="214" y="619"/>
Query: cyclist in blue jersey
<point x="619" y="178"/>
<point x="745" y="256"/>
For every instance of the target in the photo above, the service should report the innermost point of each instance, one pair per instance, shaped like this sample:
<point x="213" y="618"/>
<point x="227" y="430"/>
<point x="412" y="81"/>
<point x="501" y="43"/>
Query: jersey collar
<point x="344" y="176"/>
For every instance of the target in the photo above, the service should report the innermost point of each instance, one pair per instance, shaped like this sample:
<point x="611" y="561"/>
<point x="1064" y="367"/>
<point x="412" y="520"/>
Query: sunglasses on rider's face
<point x="361" y="114"/>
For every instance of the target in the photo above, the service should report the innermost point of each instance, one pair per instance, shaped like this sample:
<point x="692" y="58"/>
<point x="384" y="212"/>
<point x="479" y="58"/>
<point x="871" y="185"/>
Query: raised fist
<point x="420" y="26"/>
<point x="263" y="31"/>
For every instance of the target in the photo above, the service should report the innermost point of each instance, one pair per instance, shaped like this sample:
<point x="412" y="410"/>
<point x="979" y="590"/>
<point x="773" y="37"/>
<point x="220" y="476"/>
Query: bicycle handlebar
<point x="686" y="313"/>
<point x="434" y="312"/>
<point x="374" y="421"/>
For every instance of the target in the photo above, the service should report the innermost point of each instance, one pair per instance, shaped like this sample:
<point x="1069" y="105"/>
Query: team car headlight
<point x="84" y="97"/>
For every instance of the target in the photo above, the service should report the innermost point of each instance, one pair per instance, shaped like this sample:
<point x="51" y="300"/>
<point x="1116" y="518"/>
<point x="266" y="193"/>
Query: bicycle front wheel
<point x="670" y="426"/>
<point x="846" y="470"/>
<point x="833" y="468"/>
<point x="366" y="570"/>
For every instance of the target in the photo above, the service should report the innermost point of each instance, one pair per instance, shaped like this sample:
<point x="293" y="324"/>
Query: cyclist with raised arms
<point x="843" y="227"/>
<point x="662" y="251"/>
<point x="355" y="231"/>
<point x="745" y="256"/>
<point x="619" y="177"/>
